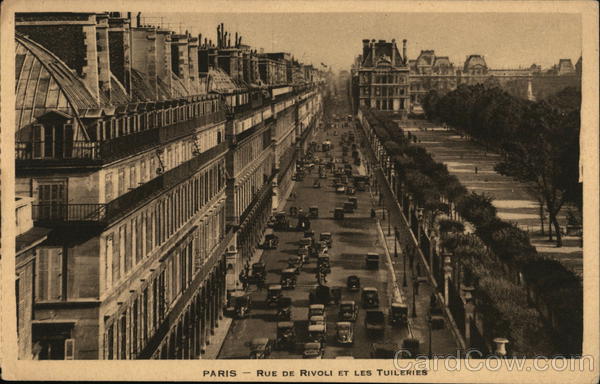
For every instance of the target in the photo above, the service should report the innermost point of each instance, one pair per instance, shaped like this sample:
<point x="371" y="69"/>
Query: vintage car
<point x="348" y="311"/>
<point x="398" y="314"/>
<point x="259" y="272"/>
<point x="313" y="350"/>
<point x="354" y="202"/>
<point x="340" y="189"/>
<point x="242" y="306"/>
<point x="284" y="308"/>
<point x="281" y="222"/>
<point x="316" y="333"/>
<point x="320" y="295"/>
<point x="374" y="322"/>
<point x="306" y="241"/>
<point x="316" y="310"/>
<point x="338" y="213"/>
<point x="318" y="320"/>
<point x="323" y="263"/>
<point x="344" y="332"/>
<point x="326" y="237"/>
<point x="372" y="260"/>
<point x="271" y="241"/>
<point x="286" y="335"/>
<point x="260" y="348"/>
<point x="273" y="294"/>
<point x="295" y="263"/>
<point x="353" y="283"/>
<point x="288" y="278"/>
<point x="348" y="207"/>
<point x="370" y="297"/>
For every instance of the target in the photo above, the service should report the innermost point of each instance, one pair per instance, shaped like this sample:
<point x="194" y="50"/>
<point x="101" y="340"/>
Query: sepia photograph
<point x="402" y="185"/>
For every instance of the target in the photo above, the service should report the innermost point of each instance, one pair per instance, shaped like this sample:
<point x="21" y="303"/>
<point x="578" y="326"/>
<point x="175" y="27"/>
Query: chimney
<point x="143" y="55"/>
<point x="180" y="58"/>
<point x="373" y="51"/>
<point x="393" y="51"/>
<point x="193" y="65"/>
<point x="119" y="47"/>
<point x="72" y="39"/>
<point x="404" y="57"/>
<point x="219" y="35"/>
<point x="365" y="48"/>
<point x="104" y="84"/>
<point x="163" y="58"/>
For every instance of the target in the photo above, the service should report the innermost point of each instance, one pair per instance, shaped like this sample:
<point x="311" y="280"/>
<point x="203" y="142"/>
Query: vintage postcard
<point x="375" y="191"/>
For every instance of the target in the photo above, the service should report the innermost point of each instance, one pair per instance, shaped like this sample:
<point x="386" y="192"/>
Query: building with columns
<point x="152" y="160"/>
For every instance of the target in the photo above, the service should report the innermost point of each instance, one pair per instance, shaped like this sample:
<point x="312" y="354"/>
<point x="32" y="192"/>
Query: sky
<point x="506" y="40"/>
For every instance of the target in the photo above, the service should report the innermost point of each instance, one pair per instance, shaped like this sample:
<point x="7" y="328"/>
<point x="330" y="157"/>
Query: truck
<point x="375" y="322"/>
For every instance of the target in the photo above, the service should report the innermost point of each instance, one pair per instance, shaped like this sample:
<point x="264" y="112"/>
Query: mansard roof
<point x="384" y="54"/>
<point x="474" y="61"/>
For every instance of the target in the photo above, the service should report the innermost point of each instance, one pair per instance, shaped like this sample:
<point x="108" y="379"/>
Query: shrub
<point x="477" y="209"/>
<point x="449" y="225"/>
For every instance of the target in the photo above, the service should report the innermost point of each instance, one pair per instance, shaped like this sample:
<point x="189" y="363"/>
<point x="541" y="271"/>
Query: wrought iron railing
<point x="116" y="148"/>
<point x="129" y="201"/>
<point x="57" y="212"/>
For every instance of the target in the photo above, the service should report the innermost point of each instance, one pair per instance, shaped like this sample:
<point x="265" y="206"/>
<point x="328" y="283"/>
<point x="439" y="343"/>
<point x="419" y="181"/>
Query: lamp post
<point x="404" y="267"/>
<point x="429" y="354"/>
<point x="395" y="242"/>
<point x="414" y="298"/>
<point x="389" y="228"/>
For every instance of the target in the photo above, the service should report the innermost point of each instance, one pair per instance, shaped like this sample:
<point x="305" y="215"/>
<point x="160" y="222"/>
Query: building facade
<point x="383" y="77"/>
<point x="370" y="87"/>
<point x="150" y="157"/>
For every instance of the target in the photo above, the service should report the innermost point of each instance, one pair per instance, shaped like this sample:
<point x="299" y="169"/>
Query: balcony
<point x="68" y="213"/>
<point x="146" y="192"/>
<point x="53" y="213"/>
<point x="115" y="149"/>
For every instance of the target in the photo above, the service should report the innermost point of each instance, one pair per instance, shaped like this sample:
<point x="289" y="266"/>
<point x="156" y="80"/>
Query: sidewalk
<point x="216" y="341"/>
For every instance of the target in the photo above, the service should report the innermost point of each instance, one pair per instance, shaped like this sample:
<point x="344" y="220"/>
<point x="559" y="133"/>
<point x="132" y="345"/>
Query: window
<point x="132" y="177"/>
<point x="52" y="198"/>
<point x="108" y="278"/>
<point x="109" y="341"/>
<point x="122" y="186"/>
<point x="108" y="187"/>
<point x="123" y="336"/>
<point x="49" y="275"/>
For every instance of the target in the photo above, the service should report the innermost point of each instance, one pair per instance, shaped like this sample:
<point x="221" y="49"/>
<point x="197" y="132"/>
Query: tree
<point x="547" y="154"/>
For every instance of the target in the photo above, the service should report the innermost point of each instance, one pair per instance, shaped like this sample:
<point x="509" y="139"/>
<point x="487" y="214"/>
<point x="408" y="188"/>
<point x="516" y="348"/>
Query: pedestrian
<point x="476" y="170"/>
<point x="373" y="214"/>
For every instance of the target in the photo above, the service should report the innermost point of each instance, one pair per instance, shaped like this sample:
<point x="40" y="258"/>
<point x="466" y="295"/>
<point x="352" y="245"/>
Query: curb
<point x="397" y="291"/>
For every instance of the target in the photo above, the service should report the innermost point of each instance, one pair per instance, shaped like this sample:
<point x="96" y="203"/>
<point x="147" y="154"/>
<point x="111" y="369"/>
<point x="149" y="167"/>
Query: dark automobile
<point x="370" y="297"/>
<point x="260" y="348"/>
<point x="398" y="314"/>
<point x="348" y="311"/>
<point x="284" y="308"/>
<point x="273" y="294"/>
<point x="353" y="283"/>
<point x="286" y="334"/>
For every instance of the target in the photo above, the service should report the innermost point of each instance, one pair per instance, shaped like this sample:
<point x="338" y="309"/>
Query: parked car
<point x="353" y="283"/>
<point x="327" y="237"/>
<point x="260" y="348"/>
<point x="313" y="350"/>
<point x="344" y="332"/>
<point x="370" y="297"/>
<point x="374" y="322"/>
<point x="348" y="311"/>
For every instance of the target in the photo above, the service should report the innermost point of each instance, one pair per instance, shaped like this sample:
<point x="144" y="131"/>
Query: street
<point x="353" y="237"/>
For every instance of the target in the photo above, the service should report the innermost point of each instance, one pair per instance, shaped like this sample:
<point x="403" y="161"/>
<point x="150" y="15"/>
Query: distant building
<point x="431" y="72"/>
<point x="383" y="77"/>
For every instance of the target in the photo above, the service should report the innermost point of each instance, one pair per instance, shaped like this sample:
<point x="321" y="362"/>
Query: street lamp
<point x="389" y="229"/>
<point x="414" y="299"/>
<point x="395" y="242"/>
<point x="404" y="267"/>
<point x="429" y="354"/>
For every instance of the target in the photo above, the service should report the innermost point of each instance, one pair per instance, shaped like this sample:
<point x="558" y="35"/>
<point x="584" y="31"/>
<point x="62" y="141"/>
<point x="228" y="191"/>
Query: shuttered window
<point x="49" y="276"/>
